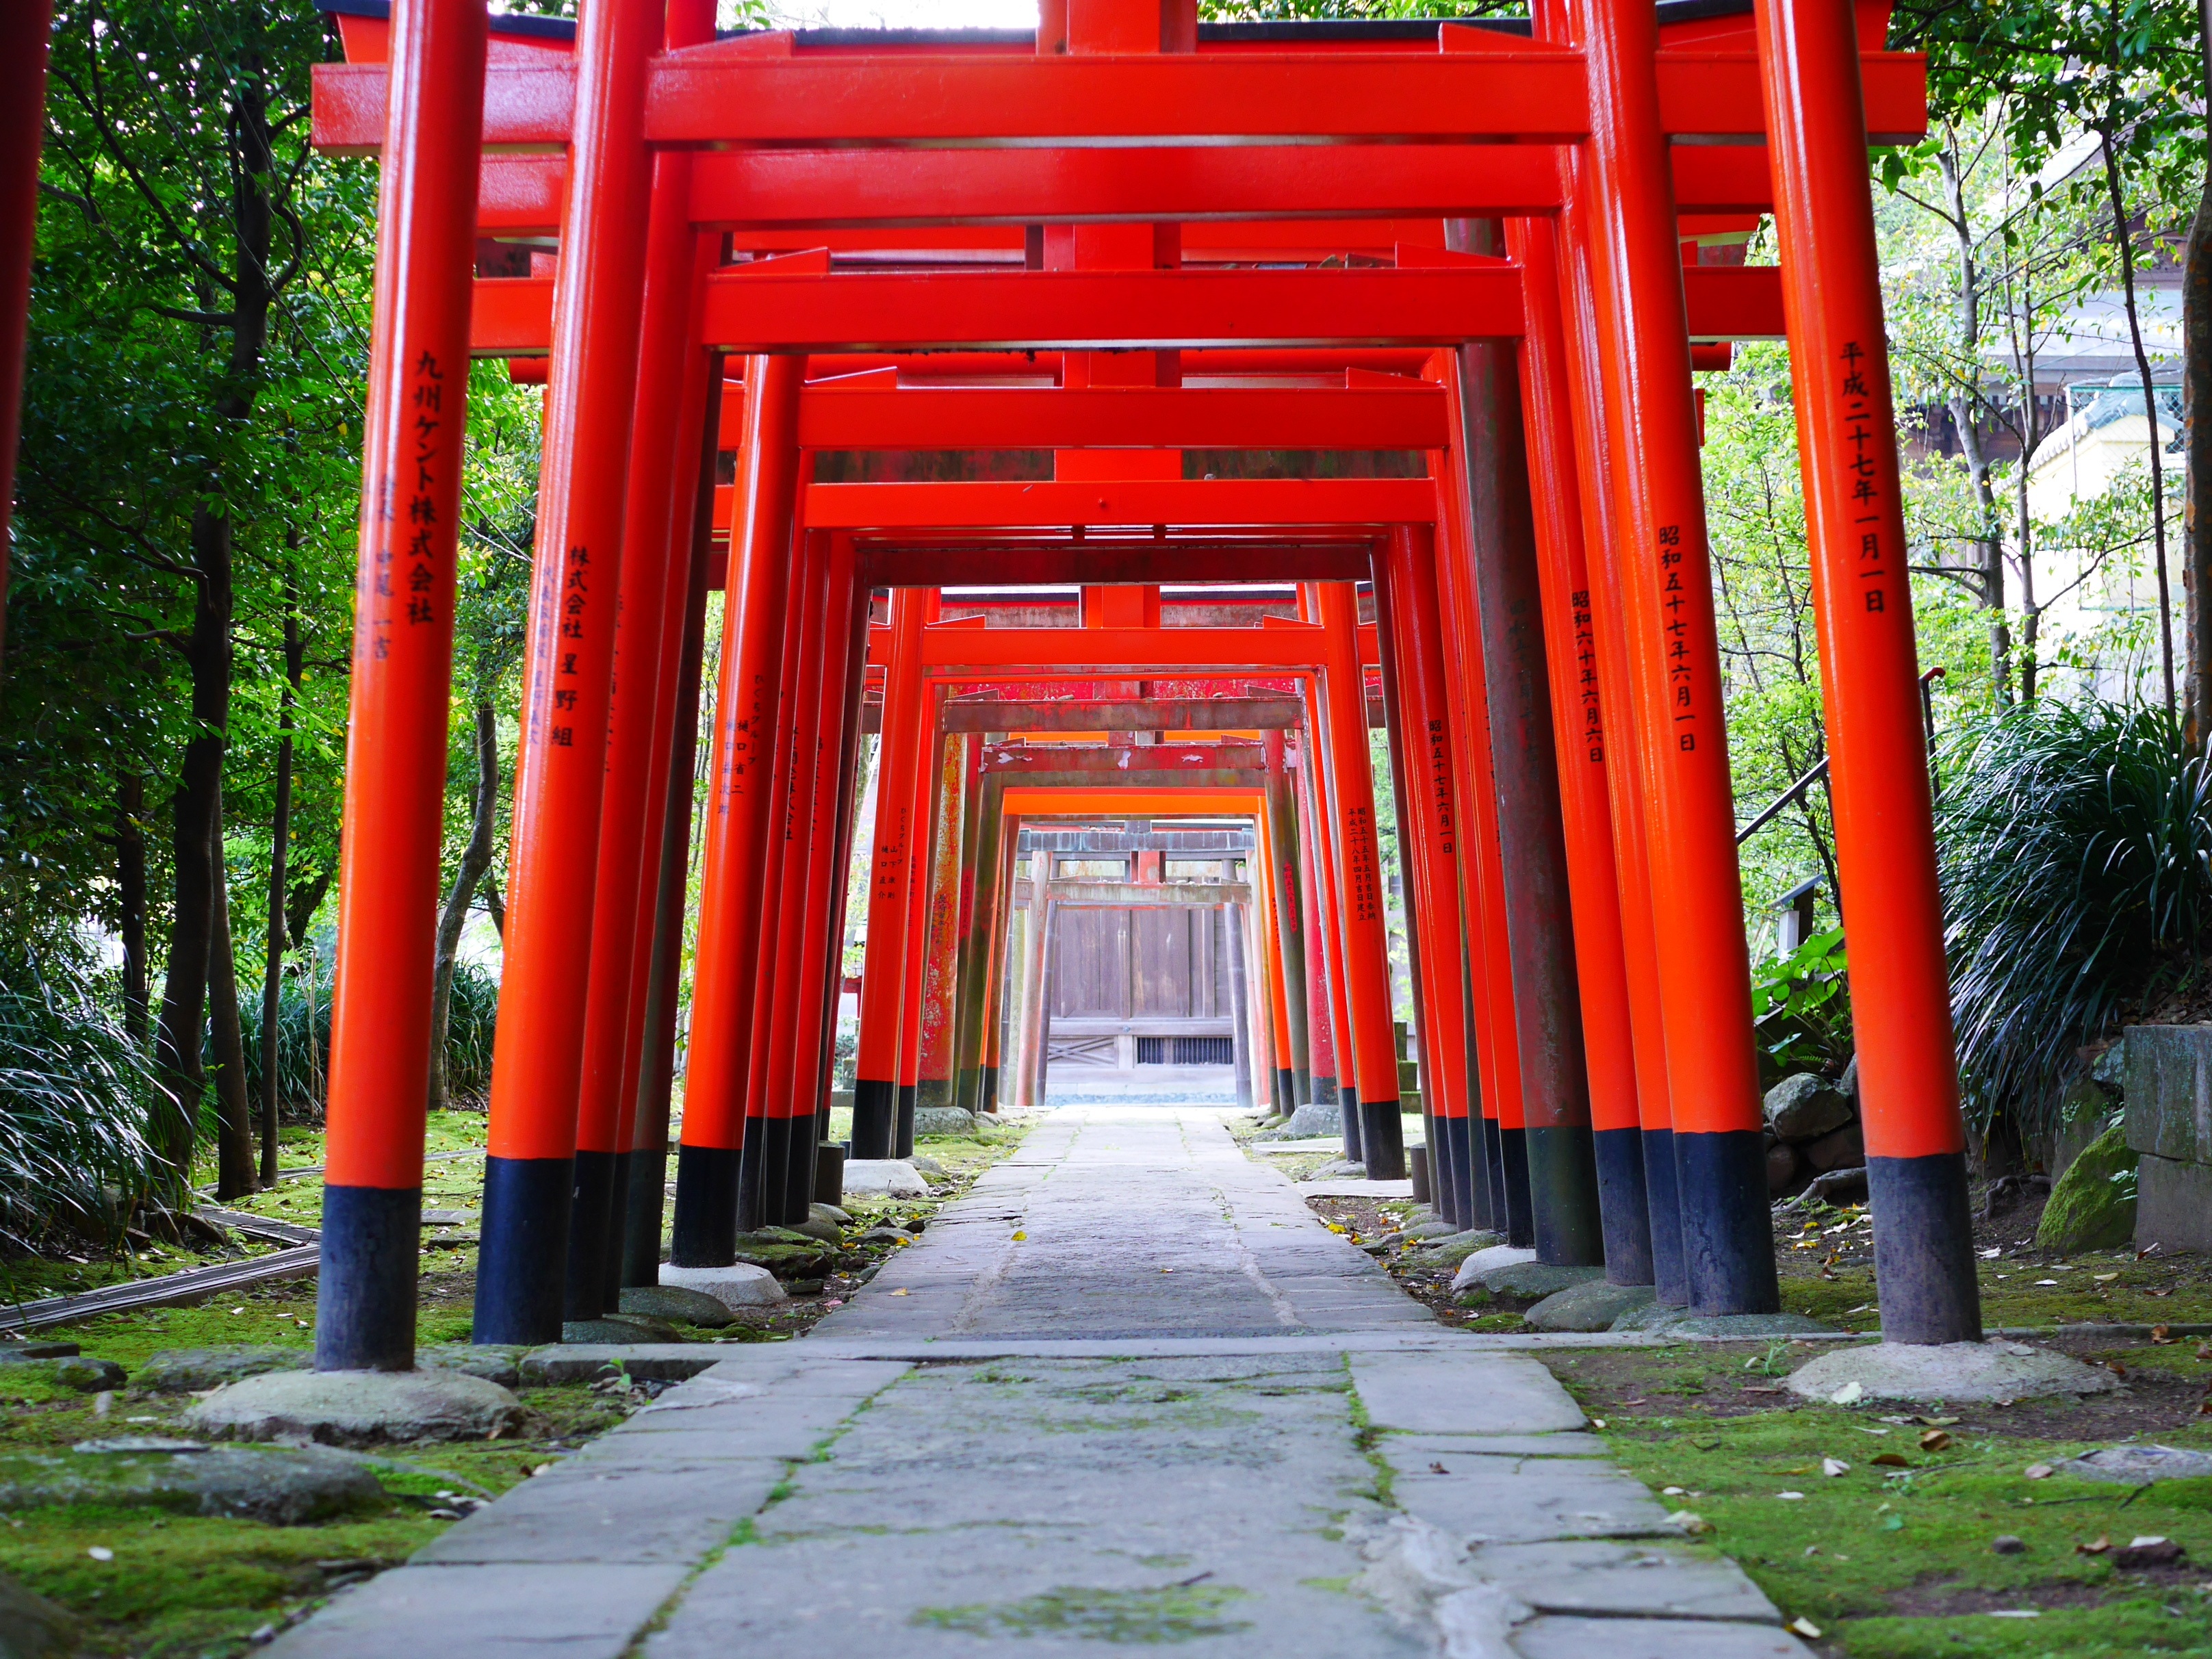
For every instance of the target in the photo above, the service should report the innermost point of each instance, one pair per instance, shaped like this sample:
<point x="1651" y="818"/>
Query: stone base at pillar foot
<point x="1953" y="1372"/>
<point x="740" y="1284"/>
<point x="1471" y="1270"/>
<point x="357" y="1408"/>
<point x="1592" y="1305"/>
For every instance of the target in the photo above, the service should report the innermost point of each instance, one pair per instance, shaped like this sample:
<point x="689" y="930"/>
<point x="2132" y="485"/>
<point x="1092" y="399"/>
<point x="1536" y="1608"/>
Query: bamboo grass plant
<point x="2075" y="848"/>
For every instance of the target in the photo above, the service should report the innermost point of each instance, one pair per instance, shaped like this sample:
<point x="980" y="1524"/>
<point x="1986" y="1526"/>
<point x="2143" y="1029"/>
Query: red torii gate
<point x="1137" y="158"/>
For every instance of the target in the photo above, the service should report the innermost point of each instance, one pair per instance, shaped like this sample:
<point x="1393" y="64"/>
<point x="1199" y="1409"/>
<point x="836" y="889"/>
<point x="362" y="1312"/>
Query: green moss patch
<point x="1171" y="1613"/>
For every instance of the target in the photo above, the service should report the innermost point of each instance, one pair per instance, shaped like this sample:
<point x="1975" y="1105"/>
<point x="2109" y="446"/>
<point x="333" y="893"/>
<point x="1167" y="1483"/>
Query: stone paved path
<point x="1177" y="1412"/>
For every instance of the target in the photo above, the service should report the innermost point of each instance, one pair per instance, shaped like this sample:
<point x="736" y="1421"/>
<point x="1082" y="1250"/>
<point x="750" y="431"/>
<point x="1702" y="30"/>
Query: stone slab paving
<point x="1049" y="1444"/>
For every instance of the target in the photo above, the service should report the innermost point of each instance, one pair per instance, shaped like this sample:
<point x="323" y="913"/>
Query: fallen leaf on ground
<point x="1892" y="1461"/>
<point x="1806" y="1627"/>
<point x="2037" y="1471"/>
<point x="1847" y="1395"/>
<point x="2103" y="1278"/>
<point x="2096" y="1546"/>
<point x="1688" y="1521"/>
<point x="1934" y="1440"/>
<point x="2163" y="1336"/>
<point x="899" y="1293"/>
<point x="1833" y="1467"/>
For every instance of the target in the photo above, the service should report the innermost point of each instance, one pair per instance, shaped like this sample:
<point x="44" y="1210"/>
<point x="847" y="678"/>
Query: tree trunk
<point x="199" y="801"/>
<point x="130" y="886"/>
<point x="494" y="905"/>
<point x="1965" y="415"/>
<point x="234" y="1171"/>
<point x="2124" y="239"/>
<point x="2197" y="402"/>
<point x="280" y="840"/>
<point x="476" y="859"/>
<point x="196" y="813"/>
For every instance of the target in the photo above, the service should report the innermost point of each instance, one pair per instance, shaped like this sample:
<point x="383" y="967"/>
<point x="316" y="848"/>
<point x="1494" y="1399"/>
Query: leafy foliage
<point x="2077" y="857"/>
<point x="303" y="1040"/>
<point x="75" y="1094"/>
<point x="1801" y="1009"/>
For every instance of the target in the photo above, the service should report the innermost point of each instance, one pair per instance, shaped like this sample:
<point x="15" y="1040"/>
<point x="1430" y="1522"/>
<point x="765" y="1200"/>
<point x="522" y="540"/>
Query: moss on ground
<point x="179" y="1586"/>
<point x="1896" y="1561"/>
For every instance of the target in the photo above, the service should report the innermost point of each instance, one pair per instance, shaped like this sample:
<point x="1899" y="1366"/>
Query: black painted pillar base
<point x="903" y="1140"/>
<point x="365" y="1295"/>
<point x="1443" y="1196"/>
<point x="523" y="1256"/>
<point x="1348" y="1100"/>
<point x="591" y="1194"/>
<point x="829" y="1175"/>
<point x="1465" y="1136"/>
<point x="1520" y="1222"/>
<point x="1382" y="1139"/>
<point x="705" y="1232"/>
<point x="1322" y="1089"/>
<point x="1923" y="1249"/>
<point x="1286" y="1093"/>
<point x="798" y="1170"/>
<point x="648" y="1192"/>
<point x="1302" y="1088"/>
<point x="610" y="1253"/>
<point x="990" y="1095"/>
<point x="875" y="1117"/>
<point x="760" y="1173"/>
<point x="1492" y="1157"/>
<point x="1728" y="1234"/>
<point x="1670" y="1279"/>
<point x="1563" y="1196"/>
<point x="1623" y="1205"/>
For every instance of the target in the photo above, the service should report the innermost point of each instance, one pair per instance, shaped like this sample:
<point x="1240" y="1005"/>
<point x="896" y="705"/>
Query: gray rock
<point x="2138" y="1466"/>
<point x="2174" y="1204"/>
<point x="87" y="1376"/>
<point x="1591" y="1306"/>
<point x="1532" y="1281"/>
<point x="618" y="1328"/>
<point x="1742" y="1325"/>
<point x="1445" y="1253"/>
<point x="1954" y="1373"/>
<point x="11" y="1351"/>
<point x="1471" y="1271"/>
<point x="353" y="1408"/>
<point x="2169" y="1083"/>
<point x="740" y="1284"/>
<point x="1784" y="1169"/>
<point x="818" y="1232"/>
<point x="944" y="1121"/>
<point x="1430" y="1230"/>
<point x="1839" y="1149"/>
<point x="883" y="1178"/>
<point x="32" y="1627"/>
<point x="1312" y="1119"/>
<point x="1340" y="1169"/>
<point x="641" y="1362"/>
<point x="284" y="1486"/>
<point x="1651" y="1316"/>
<point x="188" y="1370"/>
<point x="2091" y="1206"/>
<point x="674" y="1302"/>
<point x="1806" y="1107"/>
<point x="832" y="1214"/>
<point x="495" y="1362"/>
<point x="2110" y="1071"/>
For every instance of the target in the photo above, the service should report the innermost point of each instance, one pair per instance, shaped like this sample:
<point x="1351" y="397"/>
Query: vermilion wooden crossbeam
<point x="741" y="92"/>
<point x="963" y="650"/>
<point x="1176" y="503"/>
<point x="1102" y="561"/>
<point x="778" y="189"/>
<point x="776" y="309"/>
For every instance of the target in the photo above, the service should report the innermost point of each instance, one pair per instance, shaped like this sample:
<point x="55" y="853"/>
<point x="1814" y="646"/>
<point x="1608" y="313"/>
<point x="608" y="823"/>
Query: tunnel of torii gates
<point x="1403" y="315"/>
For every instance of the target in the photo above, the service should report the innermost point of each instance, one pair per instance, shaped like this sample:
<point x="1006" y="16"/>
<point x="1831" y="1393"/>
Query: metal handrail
<point x="1797" y="791"/>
